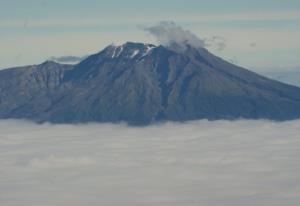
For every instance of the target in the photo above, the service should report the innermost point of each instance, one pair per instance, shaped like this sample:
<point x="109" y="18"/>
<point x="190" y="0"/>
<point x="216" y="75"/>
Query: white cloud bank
<point x="219" y="163"/>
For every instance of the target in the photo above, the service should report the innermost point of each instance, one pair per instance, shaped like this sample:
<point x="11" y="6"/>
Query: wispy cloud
<point x="218" y="163"/>
<point x="68" y="59"/>
<point x="218" y="43"/>
<point x="168" y="33"/>
<point x="60" y="162"/>
<point x="132" y="20"/>
<point x="276" y="34"/>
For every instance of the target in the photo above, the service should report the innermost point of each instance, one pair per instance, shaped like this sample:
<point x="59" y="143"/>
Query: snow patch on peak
<point x="120" y="49"/>
<point x="117" y="51"/>
<point x="135" y="52"/>
<point x="132" y="50"/>
<point x="114" y="52"/>
<point x="149" y="48"/>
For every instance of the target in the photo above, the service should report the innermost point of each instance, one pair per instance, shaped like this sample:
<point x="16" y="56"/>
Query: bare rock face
<point x="26" y="92"/>
<point x="141" y="84"/>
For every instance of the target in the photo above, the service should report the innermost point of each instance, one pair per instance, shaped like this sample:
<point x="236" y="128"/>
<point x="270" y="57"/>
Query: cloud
<point x="168" y="33"/>
<point x="210" y="163"/>
<point x="67" y="59"/>
<point x="216" y="42"/>
<point x="192" y="17"/>
<point x="60" y="162"/>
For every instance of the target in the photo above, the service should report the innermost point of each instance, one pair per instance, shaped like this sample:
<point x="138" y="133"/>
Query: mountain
<point x="141" y="84"/>
<point x="25" y="92"/>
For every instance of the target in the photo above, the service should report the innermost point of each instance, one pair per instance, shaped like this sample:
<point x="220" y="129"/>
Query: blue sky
<point x="261" y="34"/>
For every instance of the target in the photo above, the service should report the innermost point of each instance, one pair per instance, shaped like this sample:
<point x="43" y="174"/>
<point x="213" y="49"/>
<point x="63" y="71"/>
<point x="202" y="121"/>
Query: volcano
<point x="141" y="83"/>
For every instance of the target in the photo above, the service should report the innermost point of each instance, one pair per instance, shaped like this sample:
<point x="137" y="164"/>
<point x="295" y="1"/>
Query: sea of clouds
<point x="219" y="163"/>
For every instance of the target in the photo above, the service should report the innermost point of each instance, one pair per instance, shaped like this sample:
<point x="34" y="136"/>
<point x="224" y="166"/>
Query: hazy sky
<point x="257" y="33"/>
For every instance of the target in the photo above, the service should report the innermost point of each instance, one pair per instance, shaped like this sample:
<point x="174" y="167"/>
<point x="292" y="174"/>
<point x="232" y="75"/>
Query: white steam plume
<point x="168" y="34"/>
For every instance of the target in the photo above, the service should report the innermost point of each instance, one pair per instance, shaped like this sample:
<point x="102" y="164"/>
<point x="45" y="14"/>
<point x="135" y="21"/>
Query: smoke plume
<point x="168" y="34"/>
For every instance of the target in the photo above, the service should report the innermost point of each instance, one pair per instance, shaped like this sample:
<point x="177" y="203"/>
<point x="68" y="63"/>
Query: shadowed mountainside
<point x="142" y="83"/>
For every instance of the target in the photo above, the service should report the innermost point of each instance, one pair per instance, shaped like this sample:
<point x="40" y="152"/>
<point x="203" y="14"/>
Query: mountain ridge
<point x="141" y="84"/>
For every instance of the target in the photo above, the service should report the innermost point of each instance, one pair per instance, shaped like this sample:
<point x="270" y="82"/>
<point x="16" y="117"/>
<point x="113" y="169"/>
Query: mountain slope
<point x="25" y="92"/>
<point x="141" y="83"/>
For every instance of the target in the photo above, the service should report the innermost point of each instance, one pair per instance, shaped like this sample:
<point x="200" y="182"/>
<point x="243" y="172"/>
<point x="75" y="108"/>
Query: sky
<point x="207" y="163"/>
<point x="258" y="34"/>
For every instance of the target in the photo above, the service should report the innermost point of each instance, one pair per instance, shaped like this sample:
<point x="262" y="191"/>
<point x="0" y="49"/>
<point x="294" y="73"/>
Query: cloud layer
<point x="219" y="163"/>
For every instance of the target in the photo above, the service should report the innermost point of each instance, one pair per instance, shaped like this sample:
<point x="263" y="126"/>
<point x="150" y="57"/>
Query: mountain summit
<point x="141" y="84"/>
